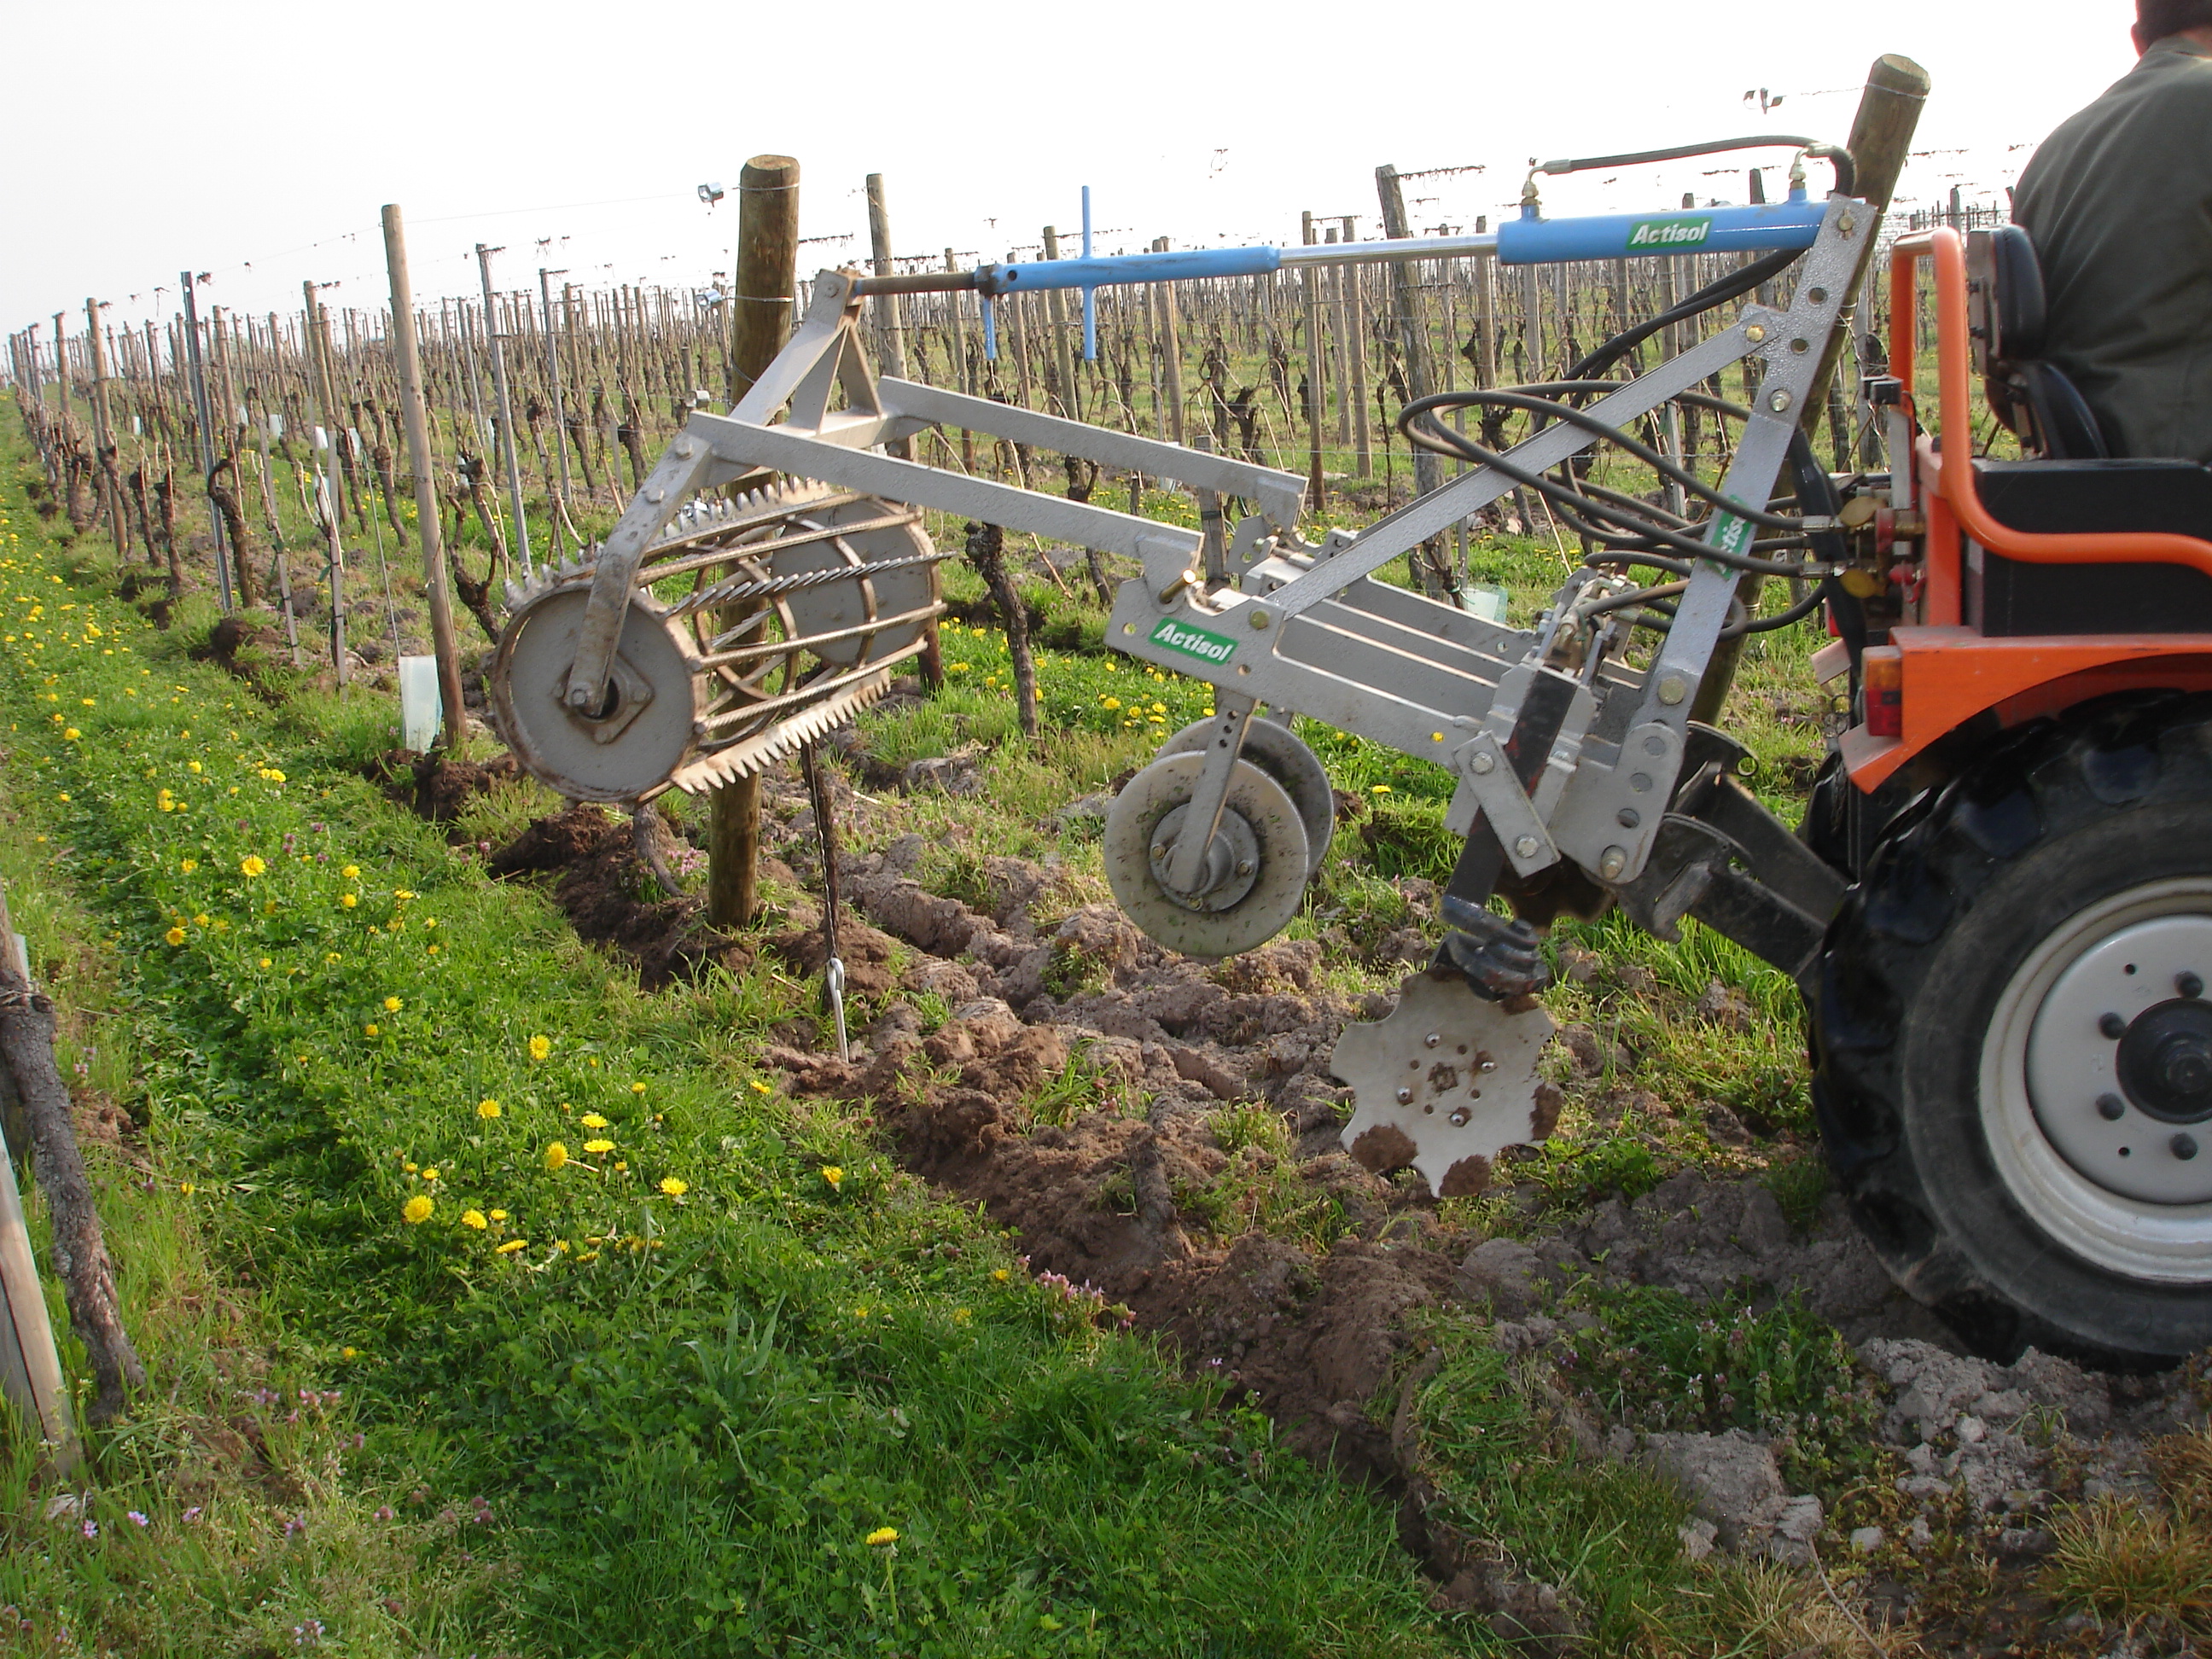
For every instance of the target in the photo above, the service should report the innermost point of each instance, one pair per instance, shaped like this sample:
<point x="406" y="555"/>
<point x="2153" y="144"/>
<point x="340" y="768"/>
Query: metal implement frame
<point x="1302" y="627"/>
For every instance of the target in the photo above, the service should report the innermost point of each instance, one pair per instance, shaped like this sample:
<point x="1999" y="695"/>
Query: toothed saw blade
<point x="1446" y="1083"/>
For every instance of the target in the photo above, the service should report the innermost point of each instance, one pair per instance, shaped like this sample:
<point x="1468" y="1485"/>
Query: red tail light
<point x="1882" y="669"/>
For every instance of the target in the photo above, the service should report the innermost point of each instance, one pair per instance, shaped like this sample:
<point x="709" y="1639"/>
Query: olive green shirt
<point x="2119" y="203"/>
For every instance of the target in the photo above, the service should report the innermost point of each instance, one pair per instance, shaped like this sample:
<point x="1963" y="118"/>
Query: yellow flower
<point x="474" y="1219"/>
<point x="392" y="1004"/>
<point x="961" y="1316"/>
<point x="193" y="767"/>
<point x="189" y="865"/>
<point x="761" y="1087"/>
<point x="834" y="1175"/>
<point x="251" y="867"/>
<point x="539" y="1047"/>
<point x="186" y="1188"/>
<point x="371" y="1029"/>
<point x="418" y="1209"/>
<point x="175" y="936"/>
<point x="499" y="1215"/>
<point x="859" y="1313"/>
<point x="350" y="872"/>
<point x="637" y="1088"/>
<point x="595" y="1147"/>
<point x="409" y="1167"/>
<point x="1110" y="703"/>
<point x="264" y="962"/>
<point x="430" y="1174"/>
<point x="593" y="1120"/>
<point x="348" y="1353"/>
<point x="349" y="899"/>
<point x="555" y="1156"/>
<point x="999" y="1275"/>
<point x="200" y="920"/>
<point x="622" y="1166"/>
<point x="511" y="1246"/>
<point x="487" y="1108"/>
<point x="674" y="1187"/>
<point x="884" y="1535"/>
<point x="1380" y="789"/>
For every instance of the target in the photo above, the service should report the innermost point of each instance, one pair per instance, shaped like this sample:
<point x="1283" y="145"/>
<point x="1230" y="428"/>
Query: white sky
<point x="256" y="141"/>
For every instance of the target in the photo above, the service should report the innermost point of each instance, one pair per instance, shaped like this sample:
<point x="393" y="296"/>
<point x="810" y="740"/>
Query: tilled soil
<point x="1096" y="1093"/>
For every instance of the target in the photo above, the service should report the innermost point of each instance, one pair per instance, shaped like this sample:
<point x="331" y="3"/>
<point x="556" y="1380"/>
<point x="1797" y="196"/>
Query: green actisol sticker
<point x="1193" y="641"/>
<point x="1670" y="233"/>
<point x="1734" y="533"/>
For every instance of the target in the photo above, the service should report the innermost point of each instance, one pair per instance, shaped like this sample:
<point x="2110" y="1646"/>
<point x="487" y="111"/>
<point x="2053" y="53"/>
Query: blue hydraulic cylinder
<point x="1762" y="228"/>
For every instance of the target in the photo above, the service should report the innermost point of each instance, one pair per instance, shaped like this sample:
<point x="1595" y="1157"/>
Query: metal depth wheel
<point x="1272" y="748"/>
<point x="2011" y="1048"/>
<point x="1242" y="906"/>
<point x="622" y="751"/>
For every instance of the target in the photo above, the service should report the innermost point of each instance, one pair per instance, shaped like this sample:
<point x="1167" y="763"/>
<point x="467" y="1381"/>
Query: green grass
<point x="689" y="1376"/>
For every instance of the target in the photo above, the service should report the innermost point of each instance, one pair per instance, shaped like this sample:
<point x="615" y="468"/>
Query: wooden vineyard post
<point x="890" y="319"/>
<point x="30" y="1366"/>
<point x="1880" y="140"/>
<point x="203" y="421"/>
<point x="1163" y="294"/>
<point x="315" y="342"/>
<point x="422" y="460"/>
<point x="1355" y="351"/>
<point x="1309" y="305"/>
<point x="760" y="301"/>
<point x="111" y="487"/>
<point x="1413" y="334"/>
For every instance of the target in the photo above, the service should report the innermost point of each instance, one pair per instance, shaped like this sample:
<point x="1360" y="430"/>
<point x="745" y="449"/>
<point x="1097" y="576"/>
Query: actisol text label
<point x="1669" y="233"/>
<point x="1193" y="641"/>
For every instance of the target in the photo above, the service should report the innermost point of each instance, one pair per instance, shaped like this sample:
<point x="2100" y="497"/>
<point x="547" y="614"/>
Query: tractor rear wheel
<point x="2012" y="1040"/>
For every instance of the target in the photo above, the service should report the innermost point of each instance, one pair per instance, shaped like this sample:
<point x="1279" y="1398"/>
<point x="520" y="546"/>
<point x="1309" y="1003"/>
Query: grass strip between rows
<point x="686" y="1366"/>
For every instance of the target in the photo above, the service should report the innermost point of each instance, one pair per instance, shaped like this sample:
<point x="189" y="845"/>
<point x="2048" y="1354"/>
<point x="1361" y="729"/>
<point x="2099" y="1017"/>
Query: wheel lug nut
<point x="2185" y="1147"/>
<point x="2110" y="1108"/>
<point x="2189" y="985"/>
<point x="2114" y="1026"/>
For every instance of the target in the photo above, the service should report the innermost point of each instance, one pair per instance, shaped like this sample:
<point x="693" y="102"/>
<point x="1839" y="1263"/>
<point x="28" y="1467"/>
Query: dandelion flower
<point x="556" y="1155"/>
<point x="189" y="865"/>
<point x="349" y="899"/>
<point x="637" y="1088"/>
<point x="593" y="1120"/>
<point x="430" y="1174"/>
<point x="595" y="1147"/>
<point x="834" y="1175"/>
<point x="999" y="1275"/>
<point x="200" y="920"/>
<point x="487" y="1108"/>
<point x="251" y="867"/>
<point x="193" y="767"/>
<point x="961" y="1316"/>
<point x="539" y="1047"/>
<point x="265" y="962"/>
<point x="392" y="1004"/>
<point x="371" y="1029"/>
<point x="674" y="1187"/>
<point x="622" y="1166"/>
<point x="1379" y="789"/>
<point x="761" y="1088"/>
<point x="417" y="1209"/>
<point x="882" y="1535"/>
<point x="350" y="872"/>
<point x="512" y="1246"/>
<point x="1110" y="703"/>
<point x="348" y="1353"/>
<point x="474" y="1219"/>
<point x="175" y="936"/>
<point x="499" y="1215"/>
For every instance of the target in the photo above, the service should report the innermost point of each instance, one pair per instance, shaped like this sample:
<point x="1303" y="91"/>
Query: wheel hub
<point x="1232" y="860"/>
<point x="2164" y="1061"/>
<point x="2120" y="1060"/>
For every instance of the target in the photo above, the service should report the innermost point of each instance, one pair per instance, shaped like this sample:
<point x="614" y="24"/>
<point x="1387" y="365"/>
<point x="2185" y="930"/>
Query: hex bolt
<point x="2111" y="1108"/>
<point x="1778" y="399"/>
<point x="1612" y="862"/>
<point x="2184" y="1146"/>
<point x="2189" y="985"/>
<point x="1526" y="846"/>
<point x="1405" y="1096"/>
<point x="2114" y="1026"/>
<point x="1482" y="765"/>
<point x="1243" y="867"/>
<point x="1160" y="849"/>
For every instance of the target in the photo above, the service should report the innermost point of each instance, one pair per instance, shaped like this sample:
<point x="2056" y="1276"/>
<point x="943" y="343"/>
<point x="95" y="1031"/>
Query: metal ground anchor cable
<point x="825" y="835"/>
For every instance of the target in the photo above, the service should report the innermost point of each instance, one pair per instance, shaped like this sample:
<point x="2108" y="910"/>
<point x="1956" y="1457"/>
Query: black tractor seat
<point x="2073" y="486"/>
